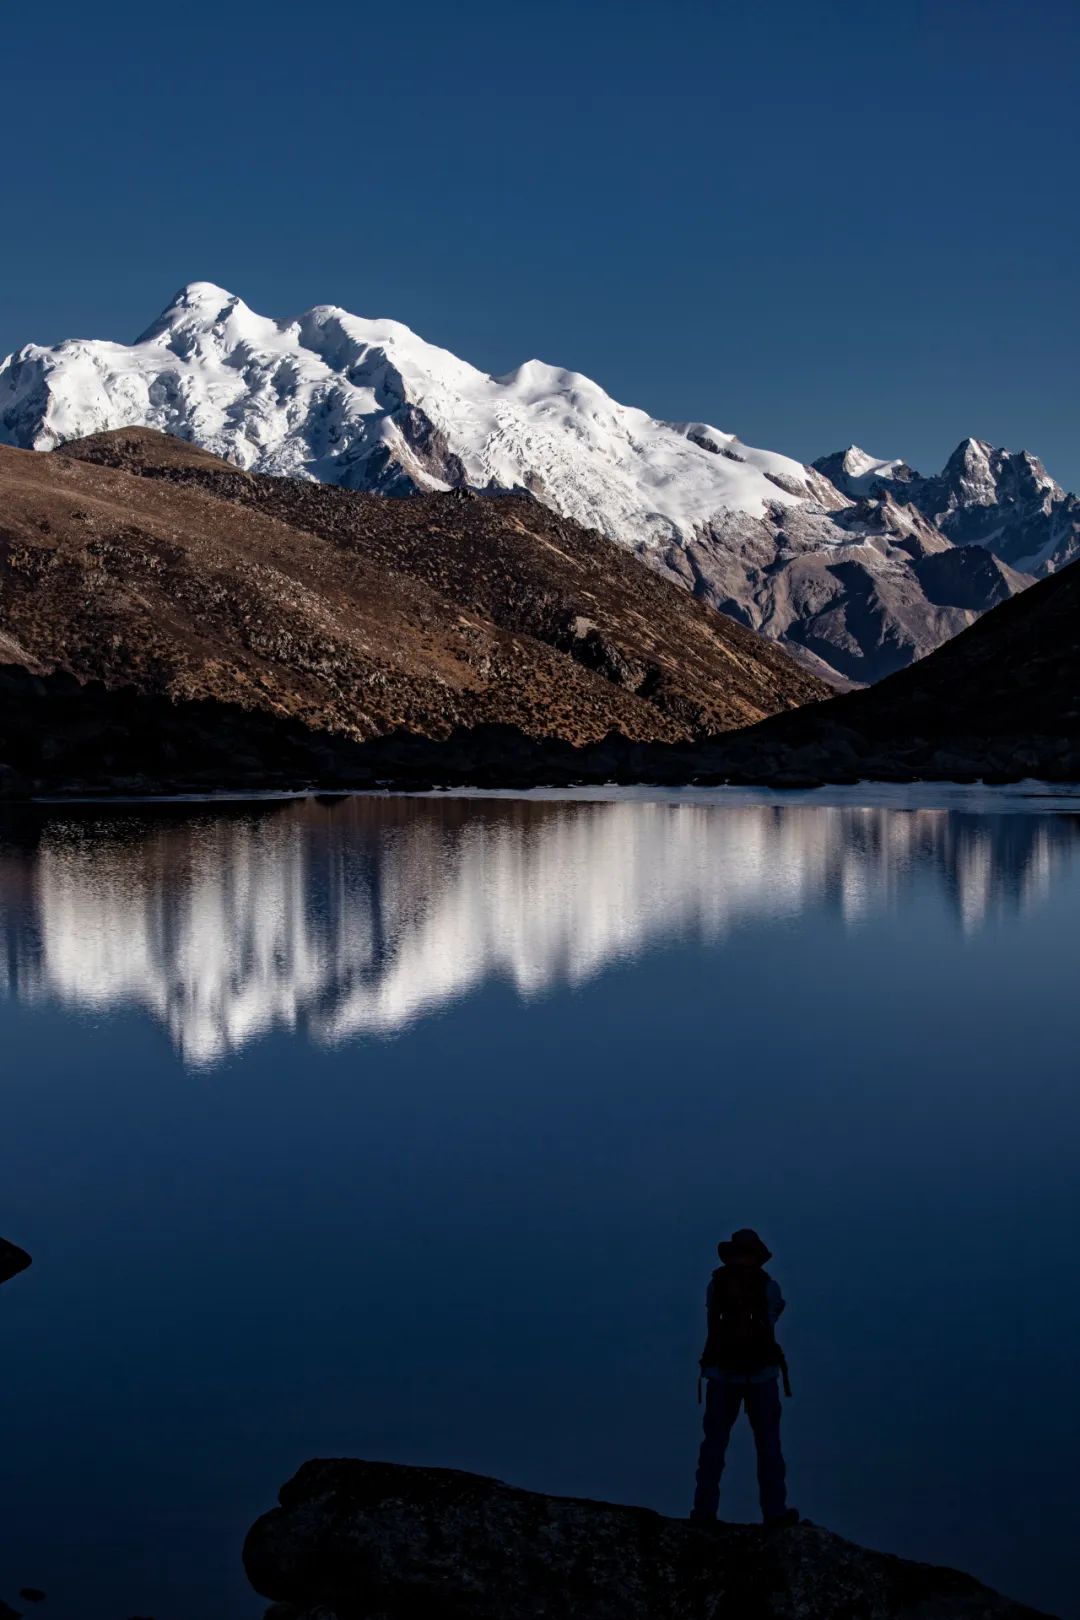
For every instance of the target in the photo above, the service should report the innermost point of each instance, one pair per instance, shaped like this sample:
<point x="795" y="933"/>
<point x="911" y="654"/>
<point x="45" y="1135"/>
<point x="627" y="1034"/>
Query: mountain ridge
<point x="171" y="623"/>
<point x="341" y="619"/>
<point x="1002" y="500"/>
<point x="837" y="575"/>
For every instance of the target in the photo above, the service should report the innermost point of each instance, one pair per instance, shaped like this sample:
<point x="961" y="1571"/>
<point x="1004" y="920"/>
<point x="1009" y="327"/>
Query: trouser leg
<point x="722" y="1401"/>
<point x="763" y="1410"/>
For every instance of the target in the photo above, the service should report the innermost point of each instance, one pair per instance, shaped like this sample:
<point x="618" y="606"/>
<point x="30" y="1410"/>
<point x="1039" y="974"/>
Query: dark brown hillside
<point x="1001" y="700"/>
<point x="522" y="569"/>
<point x="351" y="615"/>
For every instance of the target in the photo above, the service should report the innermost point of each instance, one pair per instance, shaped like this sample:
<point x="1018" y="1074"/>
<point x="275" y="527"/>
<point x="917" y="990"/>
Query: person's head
<point x="743" y="1248"/>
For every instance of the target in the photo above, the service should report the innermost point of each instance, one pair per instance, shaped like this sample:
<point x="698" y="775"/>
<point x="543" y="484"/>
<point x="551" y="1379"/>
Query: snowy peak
<point x="968" y="477"/>
<point x="1006" y="501"/>
<point x="1003" y="500"/>
<point x="970" y="454"/>
<point x="537" y="380"/>
<point x="978" y="473"/>
<point x="857" y="464"/>
<point x="369" y="404"/>
<point x="200" y="306"/>
<point x="858" y="475"/>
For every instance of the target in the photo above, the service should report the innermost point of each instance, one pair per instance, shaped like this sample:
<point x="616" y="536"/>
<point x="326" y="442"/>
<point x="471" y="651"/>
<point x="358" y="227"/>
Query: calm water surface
<point x="406" y="1129"/>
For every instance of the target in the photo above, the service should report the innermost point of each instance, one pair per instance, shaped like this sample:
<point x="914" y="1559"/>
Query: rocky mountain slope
<point x="1001" y="702"/>
<point x="177" y="582"/>
<point x="168" y="621"/>
<point x="856" y="581"/>
<point x="369" y="1541"/>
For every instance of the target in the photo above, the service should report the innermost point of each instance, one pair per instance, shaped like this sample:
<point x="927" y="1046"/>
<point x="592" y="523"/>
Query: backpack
<point x="741" y="1337"/>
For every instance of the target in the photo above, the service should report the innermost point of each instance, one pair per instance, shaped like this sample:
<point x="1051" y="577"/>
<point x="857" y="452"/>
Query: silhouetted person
<point x="741" y="1363"/>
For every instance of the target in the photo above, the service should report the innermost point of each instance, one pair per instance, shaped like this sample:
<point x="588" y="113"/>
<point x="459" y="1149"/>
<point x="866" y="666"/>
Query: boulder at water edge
<point x="356" y="1540"/>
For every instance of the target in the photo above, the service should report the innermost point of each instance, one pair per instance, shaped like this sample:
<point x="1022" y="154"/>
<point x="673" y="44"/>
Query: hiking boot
<point x="704" y="1521"/>
<point x="783" y="1521"/>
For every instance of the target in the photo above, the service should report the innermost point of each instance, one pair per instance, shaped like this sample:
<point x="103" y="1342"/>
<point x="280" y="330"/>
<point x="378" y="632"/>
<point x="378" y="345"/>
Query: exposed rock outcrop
<point x="372" y="1541"/>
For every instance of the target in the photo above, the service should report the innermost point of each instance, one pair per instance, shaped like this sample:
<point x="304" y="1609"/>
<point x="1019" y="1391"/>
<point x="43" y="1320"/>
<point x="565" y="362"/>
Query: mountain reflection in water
<point x="364" y="914"/>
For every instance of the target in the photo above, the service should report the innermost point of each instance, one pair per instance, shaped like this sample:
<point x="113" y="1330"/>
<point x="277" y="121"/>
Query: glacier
<point x="368" y="404"/>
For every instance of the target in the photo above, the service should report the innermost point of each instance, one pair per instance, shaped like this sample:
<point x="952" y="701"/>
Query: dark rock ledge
<point x="357" y="1540"/>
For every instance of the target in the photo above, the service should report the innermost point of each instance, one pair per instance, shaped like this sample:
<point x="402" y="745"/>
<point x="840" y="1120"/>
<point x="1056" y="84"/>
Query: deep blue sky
<point x="807" y="224"/>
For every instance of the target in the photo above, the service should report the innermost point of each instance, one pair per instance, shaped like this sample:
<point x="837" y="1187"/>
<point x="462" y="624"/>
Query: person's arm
<point x="701" y="1358"/>
<point x="774" y="1300"/>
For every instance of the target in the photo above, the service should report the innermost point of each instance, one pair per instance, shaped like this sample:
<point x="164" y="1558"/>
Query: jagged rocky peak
<point x="1006" y="501"/>
<point x="985" y="495"/>
<point x="978" y="474"/>
<point x="968" y="468"/>
<point x="356" y="1540"/>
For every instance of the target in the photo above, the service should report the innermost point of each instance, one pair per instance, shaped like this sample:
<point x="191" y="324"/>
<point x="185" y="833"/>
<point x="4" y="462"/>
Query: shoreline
<point x="1025" y="794"/>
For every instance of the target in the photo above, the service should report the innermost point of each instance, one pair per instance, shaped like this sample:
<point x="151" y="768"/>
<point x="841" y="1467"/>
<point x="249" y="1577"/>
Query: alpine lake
<point x="406" y="1128"/>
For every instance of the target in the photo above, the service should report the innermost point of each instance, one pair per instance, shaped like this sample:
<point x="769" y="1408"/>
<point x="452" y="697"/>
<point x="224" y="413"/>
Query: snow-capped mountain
<point x="851" y="575"/>
<point x="1002" y="500"/>
<point x="369" y="405"/>
<point x="862" y="476"/>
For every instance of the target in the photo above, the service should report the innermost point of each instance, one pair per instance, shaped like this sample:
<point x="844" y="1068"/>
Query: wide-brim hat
<point x="744" y="1244"/>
